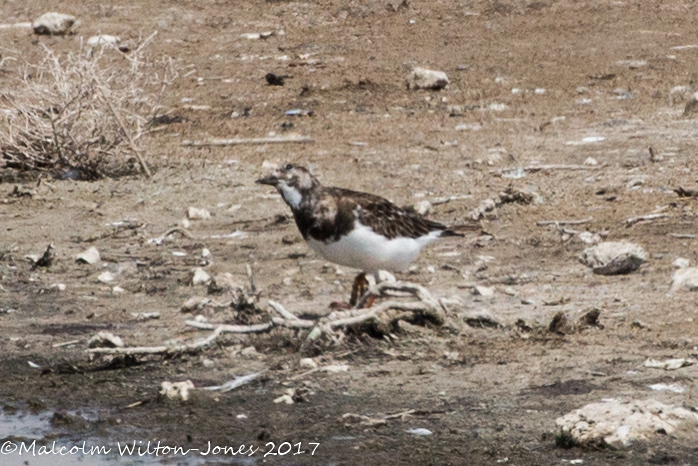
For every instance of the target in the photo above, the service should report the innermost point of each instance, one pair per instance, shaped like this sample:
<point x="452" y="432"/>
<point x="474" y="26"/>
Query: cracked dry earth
<point x="538" y="83"/>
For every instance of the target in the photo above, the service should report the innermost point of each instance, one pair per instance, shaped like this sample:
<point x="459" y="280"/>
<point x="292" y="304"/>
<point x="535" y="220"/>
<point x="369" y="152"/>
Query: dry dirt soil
<point x="600" y="70"/>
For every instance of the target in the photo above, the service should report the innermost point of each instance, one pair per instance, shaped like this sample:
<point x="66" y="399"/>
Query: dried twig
<point x="162" y="349"/>
<point x="643" y="218"/>
<point x="538" y="168"/>
<point x="239" y="141"/>
<point x="565" y="222"/>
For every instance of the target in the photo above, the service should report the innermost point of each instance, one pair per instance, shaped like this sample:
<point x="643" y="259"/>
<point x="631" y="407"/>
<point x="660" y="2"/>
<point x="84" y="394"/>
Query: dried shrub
<point x="81" y="115"/>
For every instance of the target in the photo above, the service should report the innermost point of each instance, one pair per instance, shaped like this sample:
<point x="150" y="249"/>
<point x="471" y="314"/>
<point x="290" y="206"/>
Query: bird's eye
<point x="288" y="167"/>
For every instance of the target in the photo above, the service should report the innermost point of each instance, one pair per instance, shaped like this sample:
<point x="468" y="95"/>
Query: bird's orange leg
<point x="358" y="288"/>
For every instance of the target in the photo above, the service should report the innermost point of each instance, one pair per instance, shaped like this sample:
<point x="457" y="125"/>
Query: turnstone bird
<point x="351" y="228"/>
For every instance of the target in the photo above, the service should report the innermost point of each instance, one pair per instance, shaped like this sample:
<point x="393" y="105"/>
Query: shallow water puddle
<point x="78" y="437"/>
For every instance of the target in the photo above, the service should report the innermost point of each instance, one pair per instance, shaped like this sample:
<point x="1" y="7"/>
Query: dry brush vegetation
<point x="81" y="115"/>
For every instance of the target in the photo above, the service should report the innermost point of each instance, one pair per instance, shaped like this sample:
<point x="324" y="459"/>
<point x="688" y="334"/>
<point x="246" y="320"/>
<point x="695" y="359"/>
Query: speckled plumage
<point x="353" y="228"/>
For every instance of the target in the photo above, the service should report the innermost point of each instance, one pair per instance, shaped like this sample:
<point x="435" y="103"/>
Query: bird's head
<point x="292" y="181"/>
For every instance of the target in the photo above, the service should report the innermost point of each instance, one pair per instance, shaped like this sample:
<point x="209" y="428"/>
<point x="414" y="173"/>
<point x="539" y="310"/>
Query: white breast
<point x="368" y="251"/>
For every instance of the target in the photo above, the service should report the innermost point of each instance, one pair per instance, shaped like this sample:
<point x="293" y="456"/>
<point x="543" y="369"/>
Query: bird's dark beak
<point x="271" y="180"/>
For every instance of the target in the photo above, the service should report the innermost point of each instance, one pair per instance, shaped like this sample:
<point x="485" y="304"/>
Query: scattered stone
<point x="103" y="39"/>
<point x="669" y="364"/>
<point x="685" y="279"/>
<point x="57" y="286"/>
<point x="559" y="324"/>
<point x="619" y="423"/>
<point x="287" y="397"/>
<point x="208" y="363"/>
<point x="512" y="194"/>
<point x="195" y="303"/>
<point x="691" y="106"/>
<point x="250" y="352"/>
<point x="419" y="431"/>
<point x="200" y="277"/>
<point x="681" y="263"/>
<point x="53" y="24"/>
<point x="422" y="78"/>
<point x="590" y="319"/>
<point x="614" y="258"/>
<point x="117" y="290"/>
<point x="423" y="208"/>
<point x="487" y="205"/>
<point x="105" y="340"/>
<point x="639" y="324"/>
<point x="308" y="363"/>
<point x="46" y="258"/>
<point x="484" y="291"/>
<point x="275" y="80"/>
<point x="90" y="256"/>
<point x="589" y="237"/>
<point x="674" y="387"/>
<point x="480" y="318"/>
<point x="223" y="283"/>
<point x="145" y="315"/>
<point x="177" y="390"/>
<point x="591" y="161"/>
<point x="194" y="213"/>
<point x="106" y="277"/>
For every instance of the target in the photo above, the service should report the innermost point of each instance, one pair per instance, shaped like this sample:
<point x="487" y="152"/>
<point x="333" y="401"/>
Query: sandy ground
<point x="590" y="70"/>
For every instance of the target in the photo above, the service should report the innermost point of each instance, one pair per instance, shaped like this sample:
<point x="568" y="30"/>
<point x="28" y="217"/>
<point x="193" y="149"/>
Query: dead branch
<point x="240" y="141"/>
<point x="426" y="306"/>
<point x="124" y="128"/>
<point x="643" y="218"/>
<point x="162" y="349"/>
<point x="565" y="222"/>
<point x="538" y="168"/>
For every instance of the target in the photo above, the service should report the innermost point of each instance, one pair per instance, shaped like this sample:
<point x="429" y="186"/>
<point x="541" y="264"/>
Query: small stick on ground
<point x="538" y="168"/>
<point x="643" y="218"/>
<point x="240" y="141"/>
<point x="127" y="133"/>
<point x="162" y="349"/>
<point x="565" y="222"/>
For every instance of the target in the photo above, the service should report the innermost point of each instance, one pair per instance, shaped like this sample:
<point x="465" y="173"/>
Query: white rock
<point x="106" y="277"/>
<point x="250" y="352"/>
<point x="105" y="340"/>
<point x="117" y="290"/>
<point x="307" y="363"/>
<point x="200" y="277"/>
<point x="422" y="78"/>
<point x="57" y="286"/>
<point x="205" y="253"/>
<point x="177" y="390"/>
<point x="681" y="263"/>
<point x="208" y="363"/>
<point x="674" y="387"/>
<point x="613" y="258"/>
<point x="591" y="161"/>
<point x="194" y="213"/>
<point x="104" y="39"/>
<point x="685" y="279"/>
<point x="419" y="431"/>
<point x="484" y="291"/>
<point x="53" y="24"/>
<point x="90" y="256"/>
<point x="620" y="423"/>
<point x="423" y="207"/>
<point x="669" y="364"/>
<point x="195" y="303"/>
<point x="589" y="237"/>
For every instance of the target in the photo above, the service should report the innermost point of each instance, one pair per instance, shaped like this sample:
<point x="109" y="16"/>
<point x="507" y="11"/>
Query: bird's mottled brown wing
<point x="381" y="215"/>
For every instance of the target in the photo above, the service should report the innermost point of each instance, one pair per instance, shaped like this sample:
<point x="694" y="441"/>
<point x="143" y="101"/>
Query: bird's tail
<point x="448" y="232"/>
